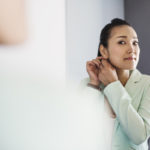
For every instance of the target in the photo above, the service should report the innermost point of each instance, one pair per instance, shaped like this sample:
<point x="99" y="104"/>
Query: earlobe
<point x="103" y="51"/>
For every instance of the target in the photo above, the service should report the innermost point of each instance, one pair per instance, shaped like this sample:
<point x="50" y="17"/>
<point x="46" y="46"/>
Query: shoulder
<point x="137" y="76"/>
<point x="144" y="82"/>
<point x="145" y="79"/>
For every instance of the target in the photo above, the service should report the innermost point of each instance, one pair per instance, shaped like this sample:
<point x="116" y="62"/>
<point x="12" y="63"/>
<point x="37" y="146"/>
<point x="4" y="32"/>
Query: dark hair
<point x="106" y="31"/>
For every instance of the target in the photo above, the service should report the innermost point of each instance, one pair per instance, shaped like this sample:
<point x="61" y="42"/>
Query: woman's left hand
<point x="107" y="73"/>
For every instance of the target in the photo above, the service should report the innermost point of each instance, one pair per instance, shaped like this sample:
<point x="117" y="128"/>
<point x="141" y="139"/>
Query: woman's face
<point x="123" y="49"/>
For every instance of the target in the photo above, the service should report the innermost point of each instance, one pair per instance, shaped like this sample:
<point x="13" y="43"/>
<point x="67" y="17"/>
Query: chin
<point x="131" y="67"/>
<point x="125" y="66"/>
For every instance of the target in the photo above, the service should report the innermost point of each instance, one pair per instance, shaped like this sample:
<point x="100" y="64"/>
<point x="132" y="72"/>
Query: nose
<point x="131" y="48"/>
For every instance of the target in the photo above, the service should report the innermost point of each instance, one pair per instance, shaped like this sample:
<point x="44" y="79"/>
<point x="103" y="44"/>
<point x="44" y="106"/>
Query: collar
<point x="135" y="77"/>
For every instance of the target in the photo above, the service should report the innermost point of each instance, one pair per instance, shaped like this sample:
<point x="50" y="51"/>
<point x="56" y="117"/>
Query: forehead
<point x="123" y="30"/>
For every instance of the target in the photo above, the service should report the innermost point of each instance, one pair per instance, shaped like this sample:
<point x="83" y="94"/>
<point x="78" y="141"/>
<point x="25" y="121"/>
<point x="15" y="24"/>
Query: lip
<point x="130" y="58"/>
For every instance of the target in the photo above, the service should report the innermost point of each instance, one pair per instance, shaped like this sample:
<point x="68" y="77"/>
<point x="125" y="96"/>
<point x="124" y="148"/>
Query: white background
<point x="63" y="35"/>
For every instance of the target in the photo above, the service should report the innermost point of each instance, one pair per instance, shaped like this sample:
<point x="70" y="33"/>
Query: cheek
<point x="138" y="52"/>
<point x="138" y="55"/>
<point x="115" y="55"/>
<point x="114" y="60"/>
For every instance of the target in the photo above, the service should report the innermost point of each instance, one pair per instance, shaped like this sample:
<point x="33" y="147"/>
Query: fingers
<point x="100" y="58"/>
<point x="96" y="62"/>
<point x="99" y="62"/>
<point x="90" y="63"/>
<point x="101" y="66"/>
<point x="105" y="62"/>
<point x="90" y="66"/>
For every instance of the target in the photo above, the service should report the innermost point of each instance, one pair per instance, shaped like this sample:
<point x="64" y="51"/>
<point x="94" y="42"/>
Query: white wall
<point x="32" y="111"/>
<point x="74" y="25"/>
<point x="85" y="19"/>
<point x="43" y="54"/>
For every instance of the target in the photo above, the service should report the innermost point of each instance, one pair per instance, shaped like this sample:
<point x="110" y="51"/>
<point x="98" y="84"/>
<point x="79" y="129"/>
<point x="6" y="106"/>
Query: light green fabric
<point x="132" y="107"/>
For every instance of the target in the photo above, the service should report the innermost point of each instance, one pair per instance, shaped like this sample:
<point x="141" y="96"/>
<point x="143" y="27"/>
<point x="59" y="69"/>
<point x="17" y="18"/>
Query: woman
<point x="126" y="92"/>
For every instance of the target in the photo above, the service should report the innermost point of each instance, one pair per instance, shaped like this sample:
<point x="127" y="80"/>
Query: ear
<point x="103" y="51"/>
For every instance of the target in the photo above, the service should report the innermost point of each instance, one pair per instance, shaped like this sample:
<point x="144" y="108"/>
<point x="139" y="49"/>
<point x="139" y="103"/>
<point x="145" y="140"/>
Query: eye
<point x="135" y="43"/>
<point x="122" y="42"/>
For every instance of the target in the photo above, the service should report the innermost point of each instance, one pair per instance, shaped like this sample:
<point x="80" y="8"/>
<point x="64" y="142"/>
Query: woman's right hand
<point x="92" y="68"/>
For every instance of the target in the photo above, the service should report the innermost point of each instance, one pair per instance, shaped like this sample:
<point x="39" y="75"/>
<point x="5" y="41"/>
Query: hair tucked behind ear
<point x="106" y="31"/>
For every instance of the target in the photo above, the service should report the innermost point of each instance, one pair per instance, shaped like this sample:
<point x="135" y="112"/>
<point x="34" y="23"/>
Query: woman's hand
<point x="92" y="68"/>
<point x="107" y="73"/>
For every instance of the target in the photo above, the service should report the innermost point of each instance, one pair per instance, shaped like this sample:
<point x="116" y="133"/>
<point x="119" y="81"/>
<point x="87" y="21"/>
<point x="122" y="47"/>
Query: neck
<point x="123" y="76"/>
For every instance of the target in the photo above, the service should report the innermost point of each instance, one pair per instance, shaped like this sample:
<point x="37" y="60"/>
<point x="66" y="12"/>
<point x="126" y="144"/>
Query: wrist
<point x="94" y="83"/>
<point x="110" y="82"/>
<point x="93" y="86"/>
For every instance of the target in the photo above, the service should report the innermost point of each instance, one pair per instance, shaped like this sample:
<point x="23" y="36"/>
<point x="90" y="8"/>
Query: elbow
<point x="138" y="135"/>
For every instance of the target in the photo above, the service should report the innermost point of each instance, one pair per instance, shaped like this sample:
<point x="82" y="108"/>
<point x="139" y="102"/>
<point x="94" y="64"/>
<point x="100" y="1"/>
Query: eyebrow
<point x="123" y="36"/>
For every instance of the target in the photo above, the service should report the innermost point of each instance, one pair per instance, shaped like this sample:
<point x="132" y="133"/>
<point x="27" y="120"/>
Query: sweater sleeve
<point x="136" y="124"/>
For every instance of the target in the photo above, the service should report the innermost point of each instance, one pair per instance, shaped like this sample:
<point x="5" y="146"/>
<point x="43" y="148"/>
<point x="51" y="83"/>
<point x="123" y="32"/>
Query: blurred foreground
<point x="36" y="114"/>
